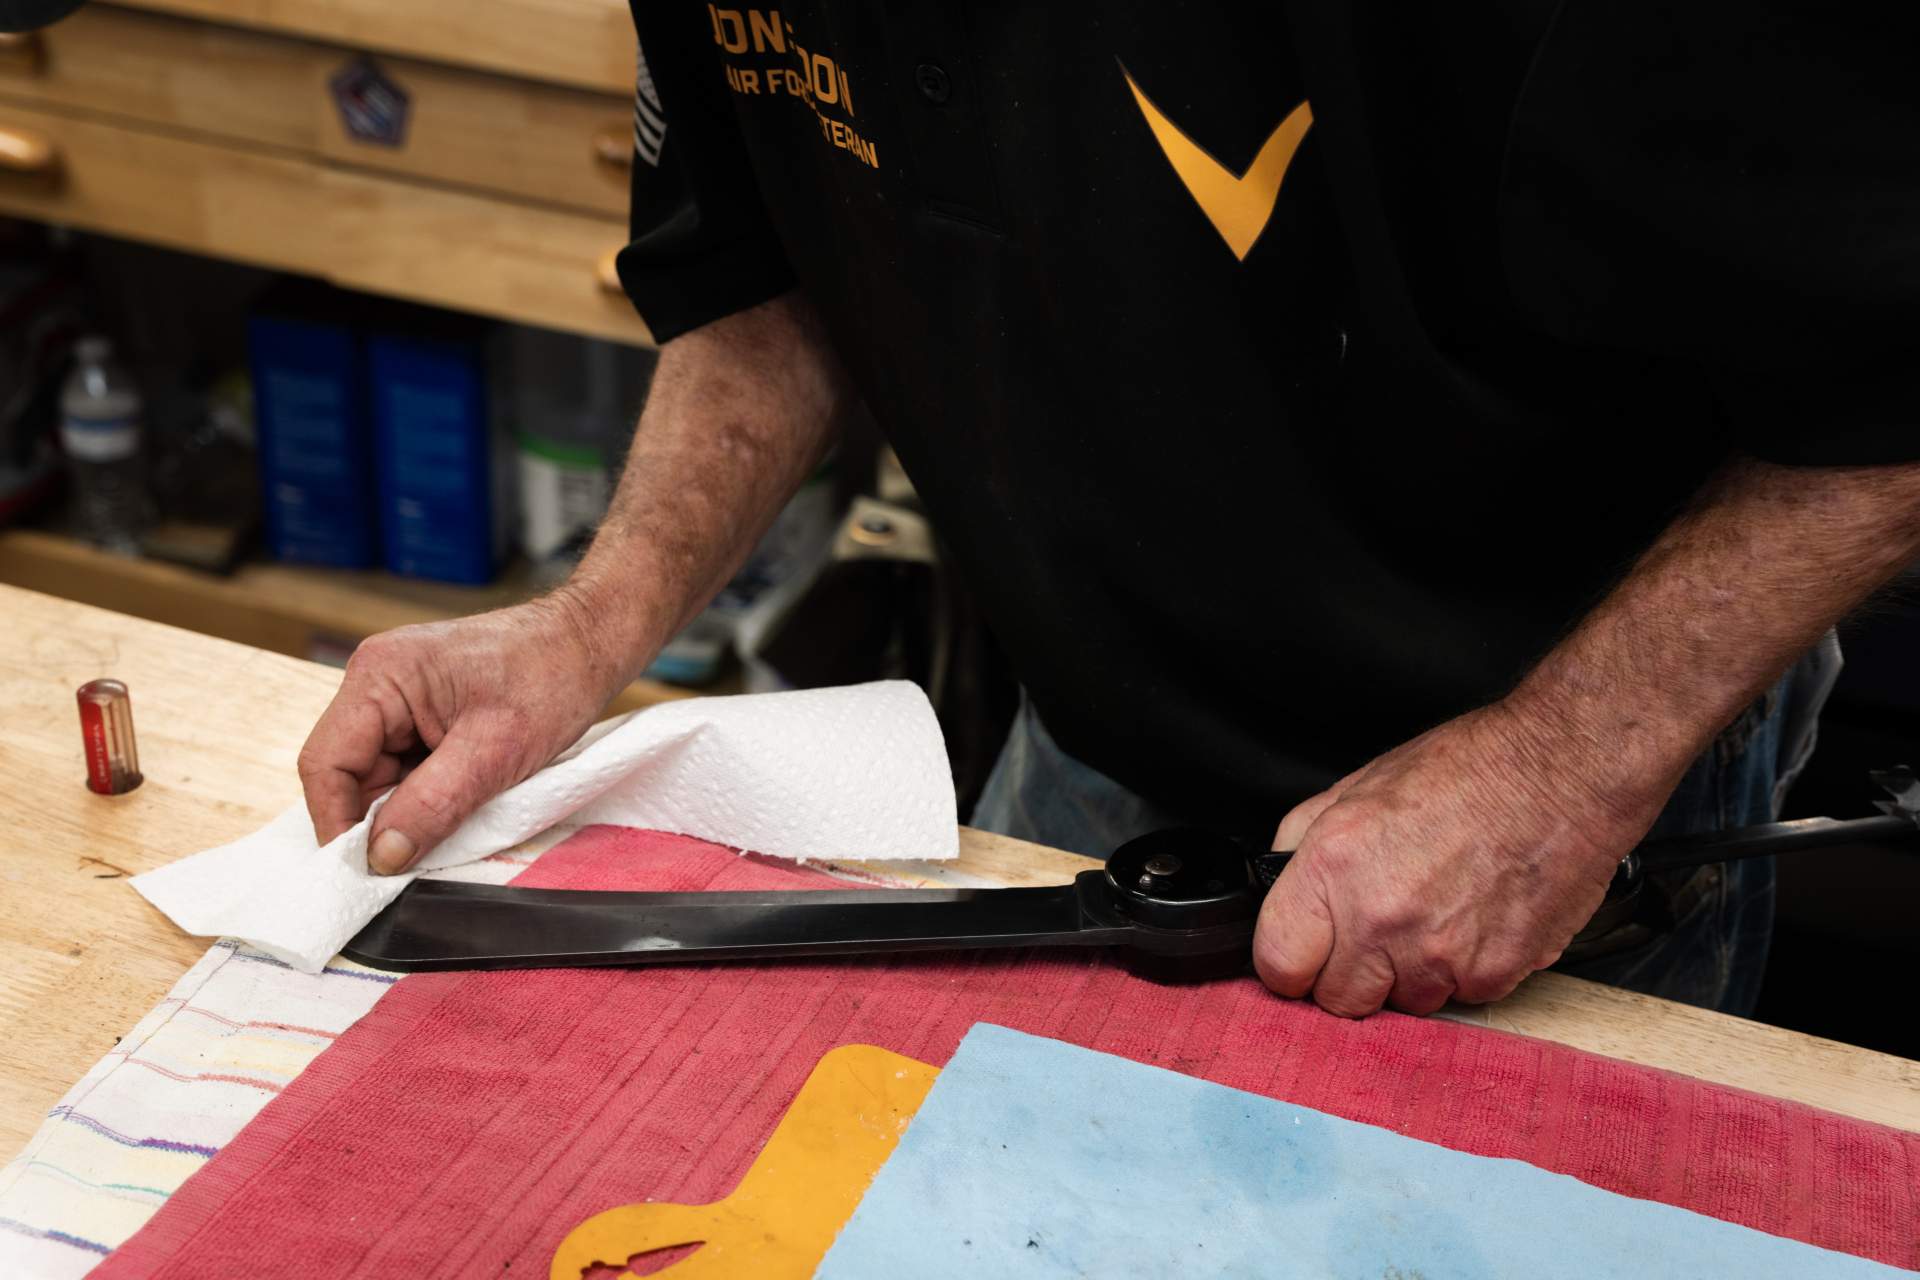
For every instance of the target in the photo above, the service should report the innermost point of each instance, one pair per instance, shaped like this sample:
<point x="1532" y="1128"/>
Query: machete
<point x="1176" y="905"/>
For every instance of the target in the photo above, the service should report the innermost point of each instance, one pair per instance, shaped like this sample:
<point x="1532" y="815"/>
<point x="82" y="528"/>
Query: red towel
<point x="471" y="1120"/>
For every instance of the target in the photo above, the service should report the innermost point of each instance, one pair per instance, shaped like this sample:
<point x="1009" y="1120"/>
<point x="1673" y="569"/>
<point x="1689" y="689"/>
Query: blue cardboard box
<point x="440" y="456"/>
<point x="316" y="445"/>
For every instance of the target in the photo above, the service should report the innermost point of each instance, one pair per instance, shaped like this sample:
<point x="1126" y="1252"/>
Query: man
<point x="1439" y="431"/>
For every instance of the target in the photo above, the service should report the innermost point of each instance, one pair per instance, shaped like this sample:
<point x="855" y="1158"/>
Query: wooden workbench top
<point x="82" y="956"/>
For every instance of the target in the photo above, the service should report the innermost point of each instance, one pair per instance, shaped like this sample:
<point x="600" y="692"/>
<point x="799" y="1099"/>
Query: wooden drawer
<point x="458" y="249"/>
<point x="524" y="139"/>
<point x="585" y="43"/>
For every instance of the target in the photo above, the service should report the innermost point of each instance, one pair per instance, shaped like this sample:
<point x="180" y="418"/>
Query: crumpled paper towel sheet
<point x="848" y="773"/>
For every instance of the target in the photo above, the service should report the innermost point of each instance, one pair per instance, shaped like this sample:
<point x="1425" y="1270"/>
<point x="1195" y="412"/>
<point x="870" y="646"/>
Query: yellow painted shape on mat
<point x="801" y="1190"/>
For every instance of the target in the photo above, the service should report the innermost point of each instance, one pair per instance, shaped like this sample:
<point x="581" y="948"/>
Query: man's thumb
<point x="457" y="777"/>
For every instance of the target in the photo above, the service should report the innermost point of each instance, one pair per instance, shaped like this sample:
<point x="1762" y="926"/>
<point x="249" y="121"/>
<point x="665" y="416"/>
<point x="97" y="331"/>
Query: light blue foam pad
<point x="1033" y="1158"/>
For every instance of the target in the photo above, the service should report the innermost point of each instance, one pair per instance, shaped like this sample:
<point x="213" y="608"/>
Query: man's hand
<point x="453" y="712"/>
<point x="1457" y="864"/>
<point x="740" y="411"/>
<point x="1449" y="868"/>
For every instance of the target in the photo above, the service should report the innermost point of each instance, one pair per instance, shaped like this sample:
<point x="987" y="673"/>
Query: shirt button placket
<point x="934" y="84"/>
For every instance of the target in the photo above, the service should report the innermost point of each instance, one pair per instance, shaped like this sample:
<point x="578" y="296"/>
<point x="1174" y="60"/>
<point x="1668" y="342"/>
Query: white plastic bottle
<point x="100" y="429"/>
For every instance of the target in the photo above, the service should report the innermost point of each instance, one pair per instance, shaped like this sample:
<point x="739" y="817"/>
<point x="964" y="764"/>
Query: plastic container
<point x="315" y="432"/>
<point x="100" y="430"/>
<point x="442" y="457"/>
<point x="574" y="404"/>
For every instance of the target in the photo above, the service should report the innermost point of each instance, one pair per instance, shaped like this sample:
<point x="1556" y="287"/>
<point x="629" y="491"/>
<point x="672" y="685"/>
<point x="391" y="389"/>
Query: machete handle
<point x="1622" y="891"/>
<point x="1697" y="850"/>
<point x="1267" y="866"/>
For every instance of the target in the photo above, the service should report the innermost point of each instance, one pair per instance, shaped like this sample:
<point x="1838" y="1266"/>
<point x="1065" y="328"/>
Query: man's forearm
<point x="740" y="412"/>
<point x="1728" y="596"/>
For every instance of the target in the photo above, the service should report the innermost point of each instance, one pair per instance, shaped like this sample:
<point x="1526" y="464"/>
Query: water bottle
<point x="100" y="430"/>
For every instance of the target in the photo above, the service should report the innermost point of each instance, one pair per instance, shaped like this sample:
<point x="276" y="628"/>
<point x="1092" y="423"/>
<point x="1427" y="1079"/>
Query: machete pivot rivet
<point x="874" y="531"/>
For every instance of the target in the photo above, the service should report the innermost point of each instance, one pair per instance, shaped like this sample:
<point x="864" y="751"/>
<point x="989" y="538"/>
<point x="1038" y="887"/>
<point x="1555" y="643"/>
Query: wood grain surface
<point x="269" y="207"/>
<point x="82" y="956"/>
<point x="588" y="43"/>
<point x="293" y="609"/>
<point x="521" y="138"/>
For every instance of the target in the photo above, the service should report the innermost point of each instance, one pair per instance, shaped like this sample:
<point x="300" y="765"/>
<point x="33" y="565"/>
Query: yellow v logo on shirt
<point x="1239" y="207"/>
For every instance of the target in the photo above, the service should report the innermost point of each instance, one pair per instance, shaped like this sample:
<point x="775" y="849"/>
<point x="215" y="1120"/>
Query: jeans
<point x="1710" y="949"/>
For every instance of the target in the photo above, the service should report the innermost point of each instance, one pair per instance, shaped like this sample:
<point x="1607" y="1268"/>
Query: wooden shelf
<point x="292" y="609"/>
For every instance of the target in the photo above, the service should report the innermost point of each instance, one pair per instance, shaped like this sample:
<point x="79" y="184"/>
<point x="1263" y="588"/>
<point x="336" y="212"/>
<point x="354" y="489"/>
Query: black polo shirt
<point x="1286" y="379"/>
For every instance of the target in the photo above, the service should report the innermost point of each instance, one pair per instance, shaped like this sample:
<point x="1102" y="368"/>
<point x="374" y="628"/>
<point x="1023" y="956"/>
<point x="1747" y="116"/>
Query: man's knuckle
<point x="1281" y="971"/>
<point x="1342" y="1005"/>
<point x="1340" y="826"/>
<point x="1473" y="990"/>
<point x="371" y="651"/>
<point x="310" y="763"/>
<point x="437" y="801"/>
<point x="382" y="653"/>
<point x="1433" y="956"/>
<point x="1280" y="977"/>
<point x="1514" y="959"/>
<point x="1488" y="982"/>
<point x="1419" y="1000"/>
<point x="1382" y="917"/>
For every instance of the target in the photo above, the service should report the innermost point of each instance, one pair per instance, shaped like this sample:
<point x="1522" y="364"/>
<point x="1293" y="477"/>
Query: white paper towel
<point x="856" y="772"/>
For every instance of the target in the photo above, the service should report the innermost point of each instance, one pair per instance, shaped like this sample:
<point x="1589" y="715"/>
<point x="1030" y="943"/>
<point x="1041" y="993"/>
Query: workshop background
<point x="309" y="329"/>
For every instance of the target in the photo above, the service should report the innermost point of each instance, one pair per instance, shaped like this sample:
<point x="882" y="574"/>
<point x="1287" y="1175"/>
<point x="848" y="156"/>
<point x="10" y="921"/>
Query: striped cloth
<point x="233" y="1032"/>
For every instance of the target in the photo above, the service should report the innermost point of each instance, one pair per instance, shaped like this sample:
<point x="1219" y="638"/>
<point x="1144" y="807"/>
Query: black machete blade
<point x="442" y="924"/>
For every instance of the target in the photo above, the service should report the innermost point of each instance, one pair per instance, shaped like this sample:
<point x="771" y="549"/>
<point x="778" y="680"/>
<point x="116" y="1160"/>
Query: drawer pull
<point x="22" y="52"/>
<point x="23" y="151"/>
<point x="613" y="147"/>
<point x="607" y="271"/>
